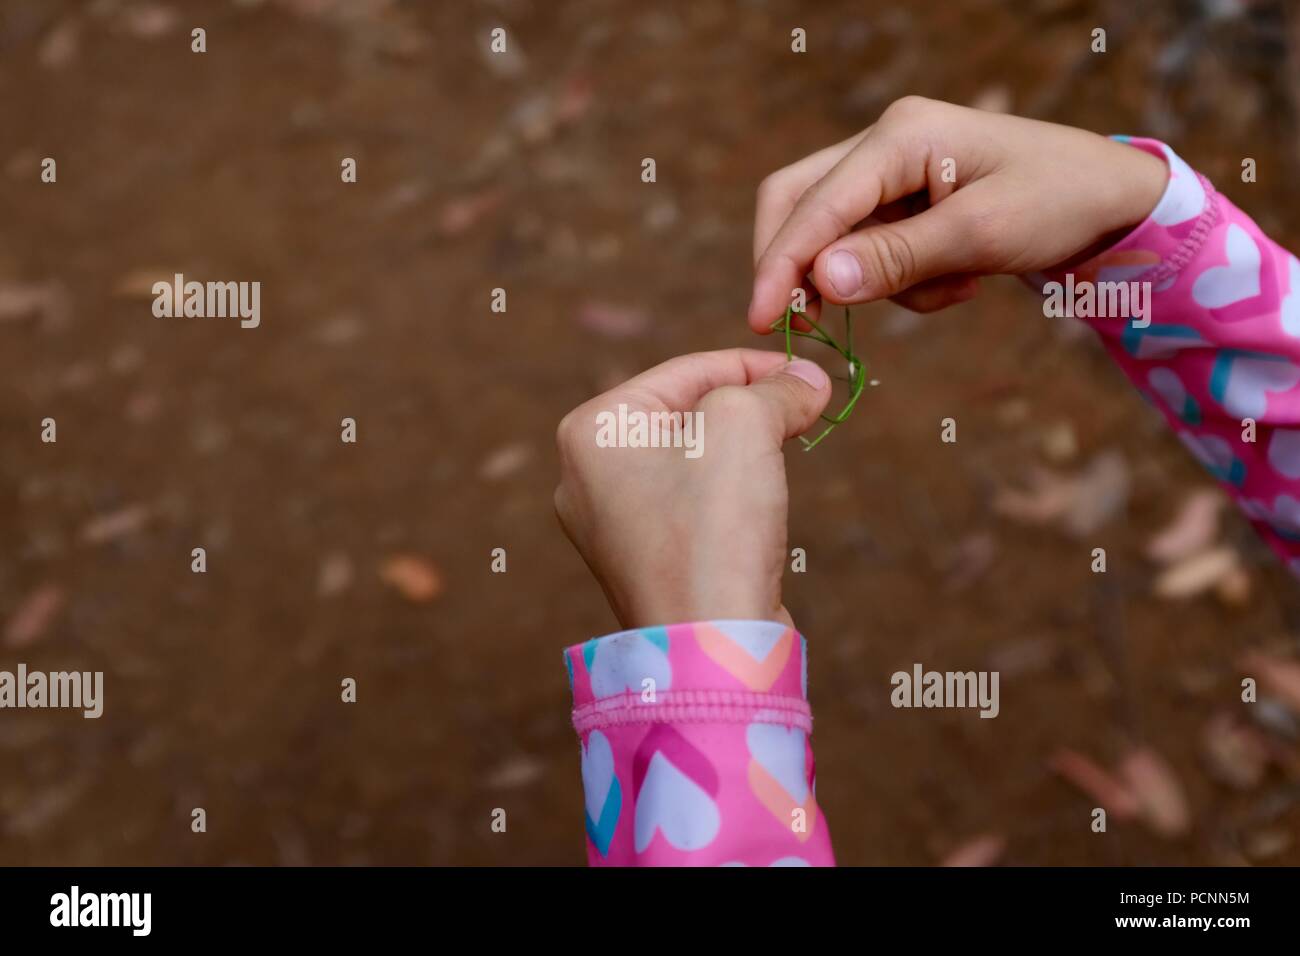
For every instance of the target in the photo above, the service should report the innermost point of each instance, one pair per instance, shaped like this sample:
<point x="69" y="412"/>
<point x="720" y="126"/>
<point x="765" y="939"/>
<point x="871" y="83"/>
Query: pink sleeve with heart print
<point x="1223" y="344"/>
<point x="695" y="747"/>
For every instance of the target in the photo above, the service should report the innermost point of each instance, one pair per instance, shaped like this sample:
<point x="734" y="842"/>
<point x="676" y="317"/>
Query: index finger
<point x="879" y="169"/>
<point x="679" y="383"/>
<point x="778" y="193"/>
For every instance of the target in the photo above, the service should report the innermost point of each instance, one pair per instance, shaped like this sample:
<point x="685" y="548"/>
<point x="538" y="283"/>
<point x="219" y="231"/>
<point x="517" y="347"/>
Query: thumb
<point x="795" y="394"/>
<point x="883" y="259"/>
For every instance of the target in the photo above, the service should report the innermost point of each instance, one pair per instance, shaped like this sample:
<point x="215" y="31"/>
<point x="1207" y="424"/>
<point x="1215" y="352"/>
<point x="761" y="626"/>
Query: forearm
<point x="1220" y="358"/>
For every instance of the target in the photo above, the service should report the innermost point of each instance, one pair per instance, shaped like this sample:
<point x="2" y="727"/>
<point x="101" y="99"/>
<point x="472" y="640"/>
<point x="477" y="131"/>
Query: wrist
<point x="1140" y="179"/>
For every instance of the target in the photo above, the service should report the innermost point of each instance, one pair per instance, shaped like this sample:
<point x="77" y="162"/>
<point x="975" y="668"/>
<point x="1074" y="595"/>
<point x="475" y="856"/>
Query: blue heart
<point x="602" y="832"/>
<point x="1134" y="338"/>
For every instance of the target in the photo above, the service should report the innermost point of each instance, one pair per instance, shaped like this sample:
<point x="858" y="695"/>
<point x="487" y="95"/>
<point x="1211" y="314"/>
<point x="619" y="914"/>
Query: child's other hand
<point x="1027" y="195"/>
<point x="674" y="539"/>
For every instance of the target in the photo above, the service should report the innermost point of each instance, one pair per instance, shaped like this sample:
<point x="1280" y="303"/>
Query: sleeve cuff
<point x="1159" y="247"/>
<point x="706" y="671"/>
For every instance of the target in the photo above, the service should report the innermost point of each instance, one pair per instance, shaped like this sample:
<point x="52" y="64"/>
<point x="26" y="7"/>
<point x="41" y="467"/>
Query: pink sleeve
<point x="1222" y="347"/>
<point x="695" y="747"/>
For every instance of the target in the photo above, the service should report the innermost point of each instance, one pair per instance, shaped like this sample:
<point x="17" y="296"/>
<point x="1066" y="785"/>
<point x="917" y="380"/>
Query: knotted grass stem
<point x="857" y="368"/>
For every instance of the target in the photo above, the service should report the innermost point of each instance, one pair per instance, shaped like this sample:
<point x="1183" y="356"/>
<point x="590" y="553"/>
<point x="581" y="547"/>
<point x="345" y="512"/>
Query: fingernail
<point x="809" y="372"/>
<point x="845" y="272"/>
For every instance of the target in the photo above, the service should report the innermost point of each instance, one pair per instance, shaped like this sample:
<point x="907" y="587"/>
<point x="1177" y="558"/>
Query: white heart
<point x="1166" y="383"/>
<point x="1184" y="197"/>
<point x="597" y="773"/>
<point x="781" y="752"/>
<point x="1291" y="303"/>
<point x="1121" y="273"/>
<point x="783" y="861"/>
<point x="1151" y="346"/>
<point x="625" y="660"/>
<point x="1249" y="381"/>
<point x="1283" y="515"/>
<point x="1210" y="450"/>
<point x="753" y="637"/>
<point x="1284" y="452"/>
<point x="674" y="804"/>
<point x="1218" y="286"/>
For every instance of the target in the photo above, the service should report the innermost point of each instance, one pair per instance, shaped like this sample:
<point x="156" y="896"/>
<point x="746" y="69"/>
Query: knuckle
<point x="567" y="433"/>
<point x="818" y="203"/>
<point x="891" y="258"/>
<point x="730" y="402"/>
<point x="772" y="187"/>
<point x="908" y="107"/>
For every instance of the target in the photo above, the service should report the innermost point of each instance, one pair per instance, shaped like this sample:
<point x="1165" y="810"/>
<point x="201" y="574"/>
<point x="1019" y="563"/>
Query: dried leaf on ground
<point x="462" y="213"/>
<point x="1101" y="494"/>
<point x="1235" y="752"/>
<point x="983" y="850"/>
<point x="1059" y="443"/>
<point x="969" y="560"/>
<point x="574" y="100"/>
<point x="34" y="616"/>
<point x="1277" y="675"/>
<point x="149" y="20"/>
<point x="1193" y="529"/>
<point x="1196" y="574"/>
<point x="613" y="321"/>
<point x="517" y="771"/>
<point x="335" y="574"/>
<point x="1079" y="503"/>
<point x="1267" y="844"/>
<point x="45" y="301"/>
<point x="115" y="524"/>
<point x="1234" y="588"/>
<point x="60" y="47"/>
<point x="1108" y="790"/>
<point x="505" y="461"/>
<point x="415" y="578"/>
<point x="1160" y="795"/>
<point x="139" y="284"/>
<point x="1044" y="501"/>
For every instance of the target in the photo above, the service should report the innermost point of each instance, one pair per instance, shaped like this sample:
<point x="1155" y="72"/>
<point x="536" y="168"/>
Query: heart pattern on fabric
<point x="1283" y="516"/>
<point x="783" y="861"/>
<point x="754" y="658"/>
<point x="1216" y="455"/>
<point x="1241" y="381"/>
<point x="1290" y="312"/>
<point x="674" y="788"/>
<point x="601" y="790"/>
<point x="1166" y="383"/>
<point x="1284" y="452"/>
<point x="1160" y="341"/>
<point x="1184" y="197"/>
<point x="778" y="774"/>
<point x="1123" y="266"/>
<point x="625" y="660"/>
<point x="1221" y="286"/>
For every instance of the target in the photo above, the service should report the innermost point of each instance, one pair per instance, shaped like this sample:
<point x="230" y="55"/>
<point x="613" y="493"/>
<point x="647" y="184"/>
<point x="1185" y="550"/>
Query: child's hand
<point x="674" y="539"/>
<point x="1027" y="196"/>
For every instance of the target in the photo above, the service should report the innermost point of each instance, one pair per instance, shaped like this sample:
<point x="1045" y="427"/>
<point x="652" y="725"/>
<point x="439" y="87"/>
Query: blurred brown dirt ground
<point x="222" y="690"/>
